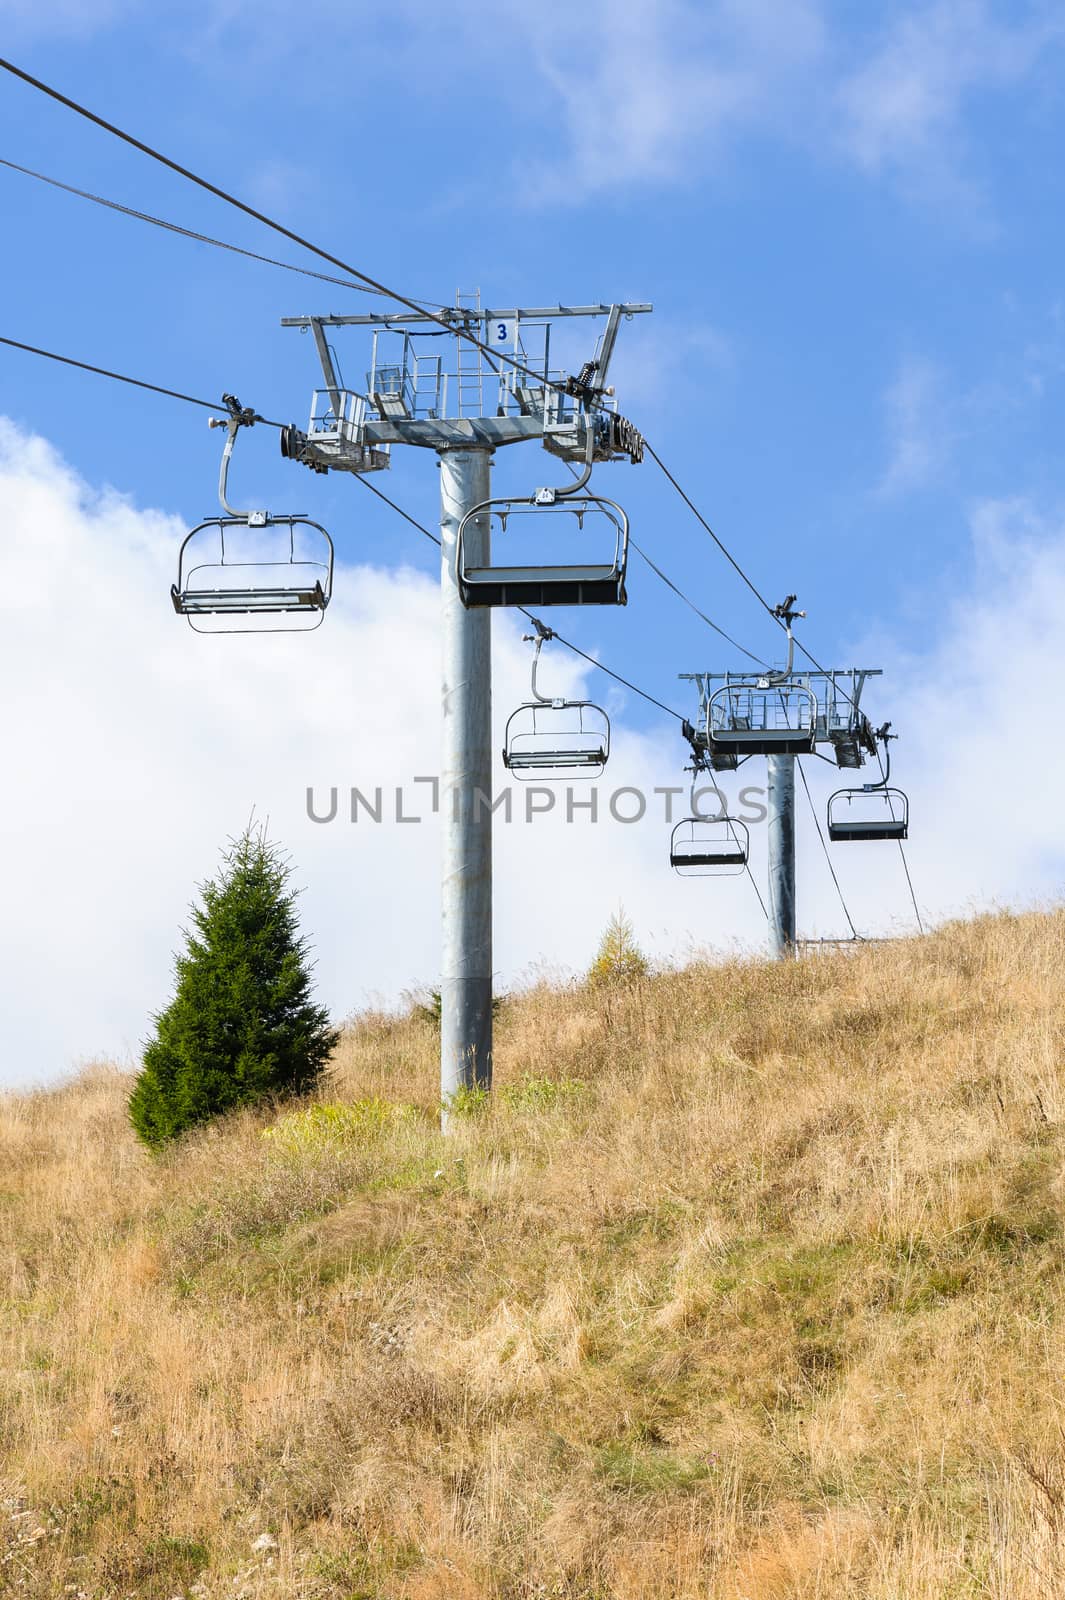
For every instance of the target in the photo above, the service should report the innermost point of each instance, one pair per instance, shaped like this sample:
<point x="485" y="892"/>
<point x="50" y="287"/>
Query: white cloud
<point x="617" y="95"/>
<point x="920" y="427"/>
<point x="902" y="109"/>
<point x="648" y="91"/>
<point x="976" y="710"/>
<point x="980" y="712"/>
<point x="628" y="93"/>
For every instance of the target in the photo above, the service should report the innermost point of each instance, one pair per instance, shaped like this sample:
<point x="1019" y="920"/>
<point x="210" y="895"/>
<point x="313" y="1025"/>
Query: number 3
<point x="501" y="333"/>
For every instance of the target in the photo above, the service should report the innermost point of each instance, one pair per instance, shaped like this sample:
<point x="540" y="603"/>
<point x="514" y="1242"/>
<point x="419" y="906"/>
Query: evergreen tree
<point x="241" y="1027"/>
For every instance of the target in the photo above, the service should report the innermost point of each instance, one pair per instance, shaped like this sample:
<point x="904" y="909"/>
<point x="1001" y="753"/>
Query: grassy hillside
<point x="749" y="1286"/>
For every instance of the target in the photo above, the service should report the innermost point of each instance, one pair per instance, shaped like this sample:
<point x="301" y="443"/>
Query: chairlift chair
<point x="579" y="584"/>
<point x="549" y="739"/>
<point x="876" y="811"/>
<point x="224" y="586"/>
<point x="760" y="717"/>
<point x="576" y="584"/>
<point x="239" y="594"/>
<point x="878" y="815"/>
<point x="709" y="847"/>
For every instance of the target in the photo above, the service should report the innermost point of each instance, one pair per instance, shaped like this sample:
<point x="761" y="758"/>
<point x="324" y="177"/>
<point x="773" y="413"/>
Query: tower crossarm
<point x="494" y="383"/>
<point x="396" y="319"/>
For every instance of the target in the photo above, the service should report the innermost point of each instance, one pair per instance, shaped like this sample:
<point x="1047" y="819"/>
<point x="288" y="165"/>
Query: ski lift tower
<point x="446" y="394"/>
<point x="782" y="715"/>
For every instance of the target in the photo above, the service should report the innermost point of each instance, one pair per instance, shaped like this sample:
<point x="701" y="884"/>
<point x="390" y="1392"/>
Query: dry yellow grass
<point x="750" y="1287"/>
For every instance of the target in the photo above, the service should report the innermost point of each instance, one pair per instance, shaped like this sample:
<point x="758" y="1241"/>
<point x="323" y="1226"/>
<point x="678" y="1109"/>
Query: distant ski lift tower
<point x="445" y="394"/>
<point x="781" y="715"/>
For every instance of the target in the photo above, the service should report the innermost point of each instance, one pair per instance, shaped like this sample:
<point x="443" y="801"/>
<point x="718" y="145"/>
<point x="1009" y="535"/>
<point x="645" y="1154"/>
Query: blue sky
<point x="849" y="221"/>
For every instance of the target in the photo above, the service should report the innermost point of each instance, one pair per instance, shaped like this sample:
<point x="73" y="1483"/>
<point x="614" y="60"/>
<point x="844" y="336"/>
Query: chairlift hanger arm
<point x="785" y="615"/>
<point x="881" y="736"/>
<point x="542" y="635"/>
<point x="223" y="470"/>
<point x="239" y="417"/>
<point x="885" y="767"/>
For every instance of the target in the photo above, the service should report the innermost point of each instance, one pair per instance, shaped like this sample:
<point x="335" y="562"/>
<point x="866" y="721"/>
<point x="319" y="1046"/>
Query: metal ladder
<point x="469" y="370"/>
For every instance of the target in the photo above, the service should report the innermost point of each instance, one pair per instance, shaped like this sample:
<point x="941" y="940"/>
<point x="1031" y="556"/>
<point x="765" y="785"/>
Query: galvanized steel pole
<point x="781" y="855"/>
<point x="465" y="789"/>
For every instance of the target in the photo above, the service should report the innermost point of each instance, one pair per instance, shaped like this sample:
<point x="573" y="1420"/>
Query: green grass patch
<point x="418" y="1175"/>
<point x="324" y="1127"/>
<point x="468" y="1103"/>
<point x="1013" y="1235"/>
<point x="533" y="1095"/>
<point x="634" y="1469"/>
<point x="179" y="1560"/>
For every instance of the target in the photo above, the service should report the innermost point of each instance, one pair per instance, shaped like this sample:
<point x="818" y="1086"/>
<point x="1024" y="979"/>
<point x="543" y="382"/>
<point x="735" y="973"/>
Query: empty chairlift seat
<point x="873" y="813"/>
<point x="597" y="526"/>
<point x="705" y="847"/>
<point x="552" y="739"/>
<point x="249" y="572"/>
<point x="268" y="575"/>
<point x="754" y="719"/>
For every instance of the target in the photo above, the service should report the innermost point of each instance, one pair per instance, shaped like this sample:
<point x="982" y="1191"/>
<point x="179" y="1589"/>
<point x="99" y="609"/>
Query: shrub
<point x="241" y="1027"/>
